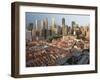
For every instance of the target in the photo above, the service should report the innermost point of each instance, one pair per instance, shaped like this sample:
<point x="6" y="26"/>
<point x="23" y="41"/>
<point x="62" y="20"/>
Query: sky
<point x="78" y="18"/>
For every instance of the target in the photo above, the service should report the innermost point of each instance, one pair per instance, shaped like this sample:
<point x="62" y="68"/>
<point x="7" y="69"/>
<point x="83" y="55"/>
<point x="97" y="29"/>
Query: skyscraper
<point x="34" y="30"/>
<point x="41" y="28"/>
<point x="37" y="32"/>
<point x="36" y="24"/>
<point x="73" y="28"/>
<point x="53" y="23"/>
<point x="63" y="26"/>
<point x="46" y="23"/>
<point x="53" y="26"/>
<point x="45" y="28"/>
<point x="66" y="30"/>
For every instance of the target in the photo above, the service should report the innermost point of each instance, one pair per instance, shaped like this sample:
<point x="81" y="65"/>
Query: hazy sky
<point x="79" y="19"/>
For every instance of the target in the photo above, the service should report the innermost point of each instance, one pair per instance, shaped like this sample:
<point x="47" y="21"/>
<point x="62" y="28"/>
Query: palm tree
<point x="30" y="28"/>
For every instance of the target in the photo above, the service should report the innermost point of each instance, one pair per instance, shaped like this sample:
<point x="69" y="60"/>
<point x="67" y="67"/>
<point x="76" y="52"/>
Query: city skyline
<point x="51" y="42"/>
<point x="81" y="20"/>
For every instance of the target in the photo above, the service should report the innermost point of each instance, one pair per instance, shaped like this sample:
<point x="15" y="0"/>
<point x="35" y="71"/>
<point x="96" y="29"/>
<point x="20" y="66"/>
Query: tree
<point x="30" y="28"/>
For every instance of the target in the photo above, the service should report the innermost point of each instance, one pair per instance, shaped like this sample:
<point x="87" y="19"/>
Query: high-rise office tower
<point x="53" y="23"/>
<point x="63" y="26"/>
<point x="41" y="28"/>
<point x="45" y="28"/>
<point x="37" y="33"/>
<point x="53" y="26"/>
<point x="34" y="29"/>
<point x="66" y="30"/>
<point x="73" y="28"/>
<point x="59" y="29"/>
<point x="36" y="25"/>
<point x="46" y="23"/>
